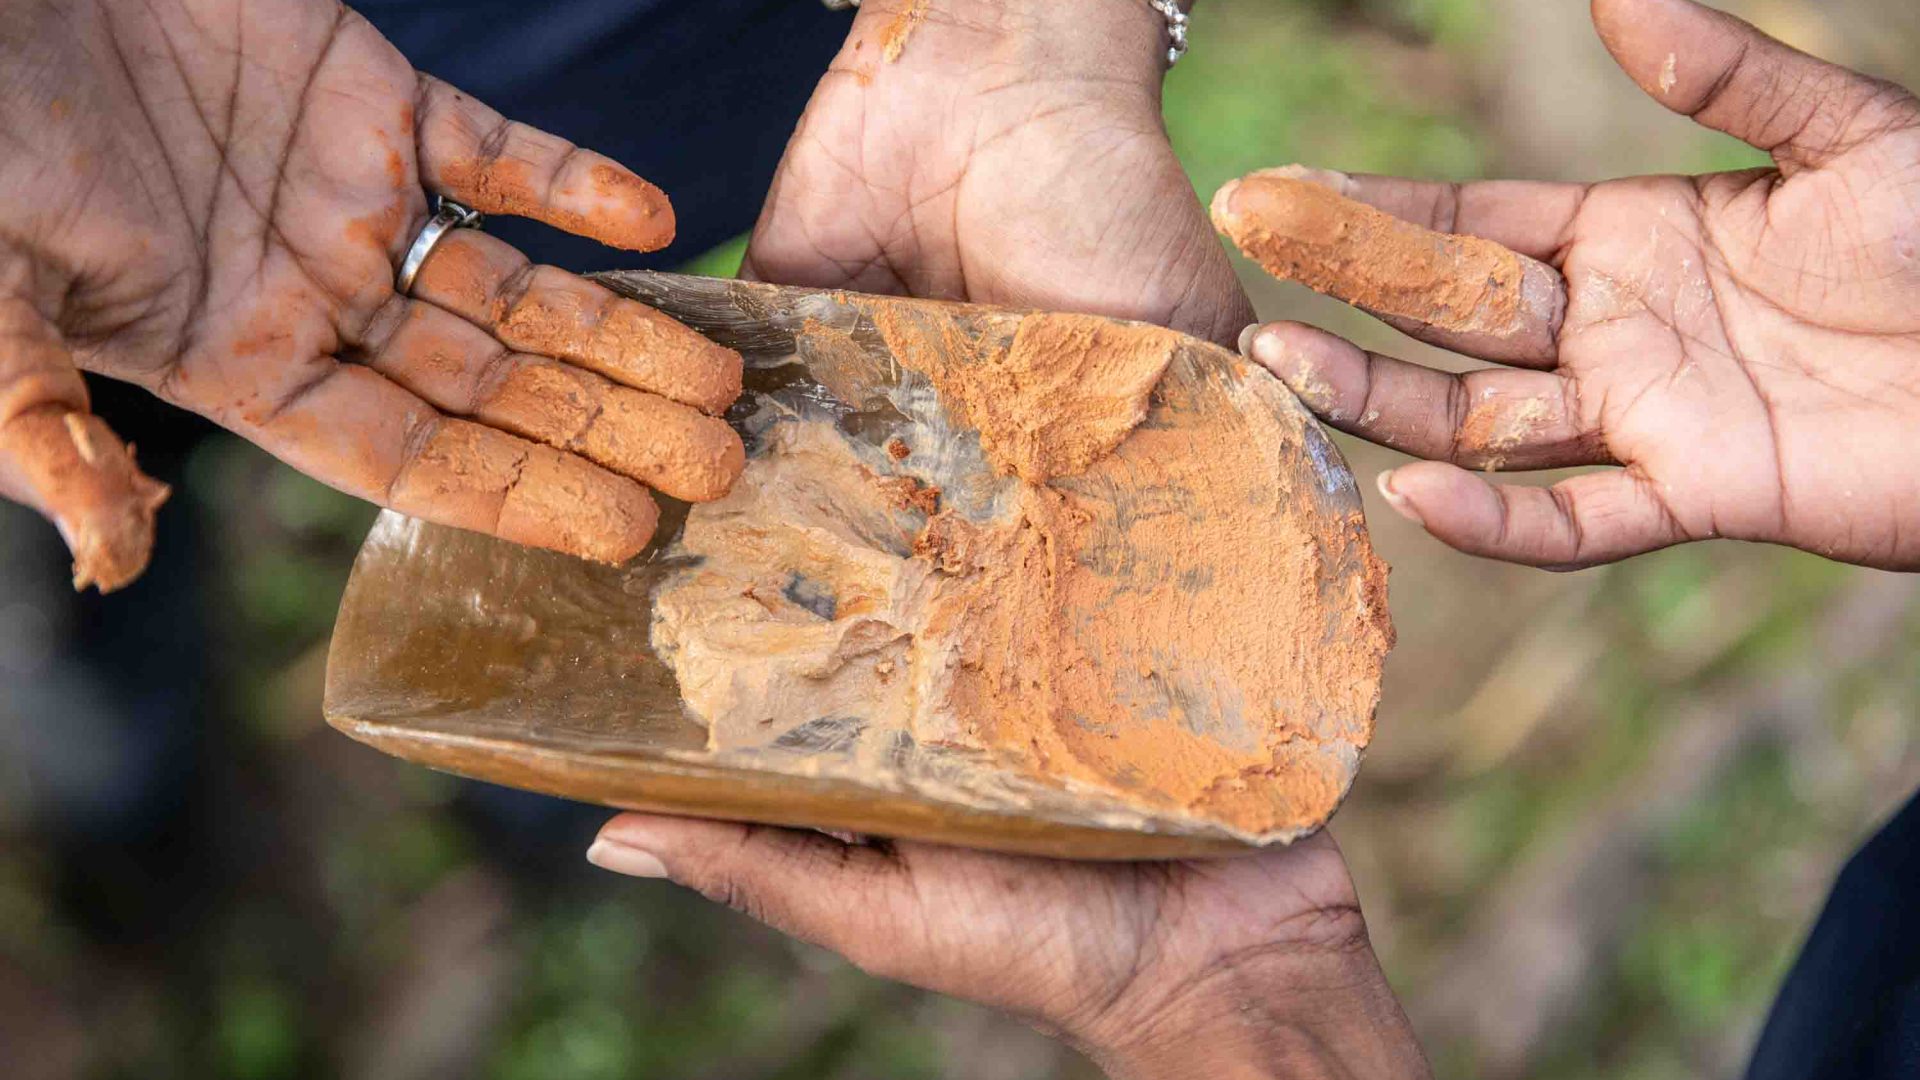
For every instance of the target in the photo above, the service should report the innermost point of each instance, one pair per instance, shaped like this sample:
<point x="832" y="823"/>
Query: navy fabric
<point x="698" y="96"/>
<point x="1850" y="1008"/>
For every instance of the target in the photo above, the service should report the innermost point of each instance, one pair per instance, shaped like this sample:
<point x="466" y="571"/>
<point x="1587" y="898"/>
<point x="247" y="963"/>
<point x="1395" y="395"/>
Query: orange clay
<point x="1171" y="617"/>
<point x="1050" y="399"/>
<point x="557" y="314"/>
<point x="71" y="467"/>
<point x="663" y="444"/>
<point x="474" y="477"/>
<point x="607" y="203"/>
<point x="66" y="463"/>
<point x="1302" y="231"/>
<point x="893" y="42"/>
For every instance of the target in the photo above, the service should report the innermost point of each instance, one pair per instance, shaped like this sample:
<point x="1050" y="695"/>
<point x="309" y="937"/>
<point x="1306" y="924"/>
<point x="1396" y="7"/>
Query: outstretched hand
<point x="1746" y="346"/>
<point x="1237" y="967"/>
<point x="209" y="198"/>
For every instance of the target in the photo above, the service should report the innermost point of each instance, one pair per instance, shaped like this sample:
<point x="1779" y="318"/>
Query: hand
<point x="1250" y="967"/>
<point x="1005" y="152"/>
<point x="1746" y="345"/>
<point x="209" y="198"/>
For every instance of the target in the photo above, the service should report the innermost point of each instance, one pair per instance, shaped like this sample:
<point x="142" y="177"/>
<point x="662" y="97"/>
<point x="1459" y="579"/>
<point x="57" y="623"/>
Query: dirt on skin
<point x="1301" y="230"/>
<point x="1152" y="609"/>
<point x="894" y="41"/>
<point x="479" y="478"/>
<point x="608" y="203"/>
<point x="71" y="466"/>
<point x="1495" y="425"/>
<point x="668" y="447"/>
<point x="549" y="312"/>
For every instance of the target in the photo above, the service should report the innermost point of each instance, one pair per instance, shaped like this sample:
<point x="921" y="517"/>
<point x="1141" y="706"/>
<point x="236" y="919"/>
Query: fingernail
<point x="1246" y="339"/>
<point x="1267" y="350"/>
<point x="1394" y="499"/>
<point x="622" y="859"/>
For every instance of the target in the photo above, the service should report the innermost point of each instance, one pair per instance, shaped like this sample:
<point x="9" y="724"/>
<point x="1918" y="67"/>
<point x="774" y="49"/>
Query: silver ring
<point x="447" y="215"/>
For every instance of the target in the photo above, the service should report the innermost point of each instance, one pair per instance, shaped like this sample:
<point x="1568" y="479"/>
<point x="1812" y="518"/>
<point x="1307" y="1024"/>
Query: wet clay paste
<point x="1147" y="596"/>
<point x="1299" y="228"/>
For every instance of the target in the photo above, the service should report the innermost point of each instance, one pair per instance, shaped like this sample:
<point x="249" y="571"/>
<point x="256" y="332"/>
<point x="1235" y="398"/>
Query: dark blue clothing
<point x="697" y="96"/>
<point x="1850" y="1008"/>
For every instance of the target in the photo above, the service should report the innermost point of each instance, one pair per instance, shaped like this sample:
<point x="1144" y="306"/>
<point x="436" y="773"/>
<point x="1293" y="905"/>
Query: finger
<point x="1590" y="519"/>
<point x="461" y="370"/>
<point x="478" y="157"/>
<point x="1459" y="292"/>
<point x="802" y="883"/>
<point x="1531" y="217"/>
<point x="65" y="463"/>
<point x="1726" y="74"/>
<point x="540" y="309"/>
<point x="357" y="431"/>
<point x="1496" y="418"/>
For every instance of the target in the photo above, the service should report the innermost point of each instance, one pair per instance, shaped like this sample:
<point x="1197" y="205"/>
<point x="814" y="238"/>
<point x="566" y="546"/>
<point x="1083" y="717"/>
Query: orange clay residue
<point x="569" y="317"/>
<point x="906" y="492"/>
<point x="1184" y="613"/>
<point x="671" y="448"/>
<point x="894" y="41"/>
<point x="1056" y="397"/>
<point x="1496" y="424"/>
<point x="614" y="206"/>
<point x="475" y="477"/>
<point x="1302" y="231"/>
<point x="71" y="466"/>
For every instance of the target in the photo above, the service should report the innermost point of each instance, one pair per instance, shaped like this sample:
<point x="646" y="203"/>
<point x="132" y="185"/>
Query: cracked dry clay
<point x="1146" y="605"/>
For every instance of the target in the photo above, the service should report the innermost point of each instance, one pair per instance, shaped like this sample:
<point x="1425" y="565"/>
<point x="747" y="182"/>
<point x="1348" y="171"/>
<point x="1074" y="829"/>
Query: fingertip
<point x="1245" y="341"/>
<point x="1332" y="179"/>
<point x="1454" y="505"/>
<point x="1659" y="43"/>
<point x="638" y="216"/>
<point x="623" y="859"/>
<point x="1220" y="209"/>
<point x="1398" y="501"/>
<point x="658" y="832"/>
<point x="1311" y="362"/>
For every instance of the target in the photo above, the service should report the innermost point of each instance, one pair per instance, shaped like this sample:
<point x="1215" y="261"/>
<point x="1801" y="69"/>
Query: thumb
<point x="66" y="463"/>
<point x="806" y="884"/>
<point x="1726" y="74"/>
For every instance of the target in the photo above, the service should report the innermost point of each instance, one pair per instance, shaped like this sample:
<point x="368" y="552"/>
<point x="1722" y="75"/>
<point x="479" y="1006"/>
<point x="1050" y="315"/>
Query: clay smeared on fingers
<point x="474" y="477"/>
<point x="463" y="371"/>
<point x="66" y="463"/>
<point x="594" y="198"/>
<point x="71" y="467"/>
<point x="496" y="166"/>
<point x="1496" y="418"/>
<point x="667" y="446"/>
<point x="540" y="309"/>
<point x="1460" y="292"/>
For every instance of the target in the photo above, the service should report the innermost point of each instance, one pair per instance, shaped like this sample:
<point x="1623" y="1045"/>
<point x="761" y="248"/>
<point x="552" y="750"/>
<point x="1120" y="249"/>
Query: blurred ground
<point x="1600" y="813"/>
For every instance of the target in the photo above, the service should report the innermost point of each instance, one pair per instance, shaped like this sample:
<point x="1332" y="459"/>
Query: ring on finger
<point x="447" y="216"/>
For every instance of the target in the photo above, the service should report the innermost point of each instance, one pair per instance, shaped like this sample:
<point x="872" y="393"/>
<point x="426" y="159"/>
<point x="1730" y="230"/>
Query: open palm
<point x="1006" y="154"/>
<point x="209" y="198"/>
<point x="1746" y="345"/>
